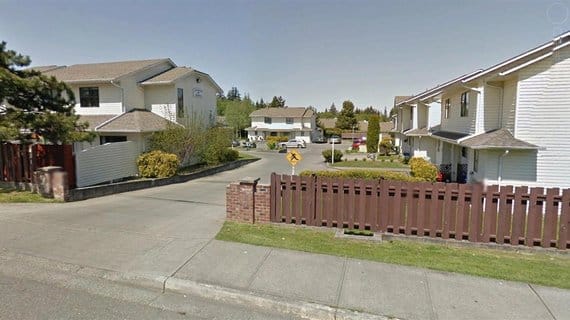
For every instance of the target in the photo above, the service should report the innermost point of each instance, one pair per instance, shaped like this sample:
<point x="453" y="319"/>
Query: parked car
<point x="249" y="144"/>
<point x="357" y="143"/>
<point x="334" y="139"/>
<point x="293" y="143"/>
<point x="320" y="140"/>
<point x="235" y="143"/>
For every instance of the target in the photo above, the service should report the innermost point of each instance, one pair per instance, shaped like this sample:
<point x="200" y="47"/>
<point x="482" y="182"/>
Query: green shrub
<point x="327" y="154"/>
<point x="363" y="174"/>
<point x="216" y="151"/>
<point x="271" y="145"/>
<point x="277" y="139"/>
<point x="421" y="168"/>
<point x="355" y="159"/>
<point x="157" y="164"/>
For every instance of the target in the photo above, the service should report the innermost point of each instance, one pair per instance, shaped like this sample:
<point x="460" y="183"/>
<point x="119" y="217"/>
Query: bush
<point x="157" y="164"/>
<point x="277" y="139"/>
<point x="327" y="154"/>
<point x="272" y="145"/>
<point x="386" y="146"/>
<point x="423" y="169"/>
<point x="362" y="174"/>
<point x="217" y="151"/>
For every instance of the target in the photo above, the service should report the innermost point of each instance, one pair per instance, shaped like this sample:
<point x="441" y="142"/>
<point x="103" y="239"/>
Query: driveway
<point x="153" y="231"/>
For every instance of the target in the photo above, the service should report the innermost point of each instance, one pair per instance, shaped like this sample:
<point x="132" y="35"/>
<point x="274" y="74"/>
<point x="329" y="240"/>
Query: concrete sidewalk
<point x="314" y="286"/>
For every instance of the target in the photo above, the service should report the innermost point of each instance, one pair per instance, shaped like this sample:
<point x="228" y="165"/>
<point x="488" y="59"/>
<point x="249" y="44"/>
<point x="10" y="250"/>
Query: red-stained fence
<point x="19" y="161"/>
<point x="505" y="215"/>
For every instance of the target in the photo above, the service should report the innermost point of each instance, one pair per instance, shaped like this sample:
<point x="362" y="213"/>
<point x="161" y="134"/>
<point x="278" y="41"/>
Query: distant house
<point x="128" y="100"/>
<point x="506" y="124"/>
<point x="293" y="123"/>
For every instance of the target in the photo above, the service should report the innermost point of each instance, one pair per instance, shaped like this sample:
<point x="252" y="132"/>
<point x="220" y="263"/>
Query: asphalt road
<point x="153" y="232"/>
<point x="29" y="299"/>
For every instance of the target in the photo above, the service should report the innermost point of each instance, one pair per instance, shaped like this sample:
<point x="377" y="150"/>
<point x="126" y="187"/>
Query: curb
<point x="47" y="270"/>
<point x="299" y="308"/>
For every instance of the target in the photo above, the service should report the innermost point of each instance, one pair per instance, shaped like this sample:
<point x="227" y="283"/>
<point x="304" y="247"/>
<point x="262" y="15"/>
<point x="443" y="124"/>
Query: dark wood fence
<point x="19" y="161"/>
<point x="505" y="215"/>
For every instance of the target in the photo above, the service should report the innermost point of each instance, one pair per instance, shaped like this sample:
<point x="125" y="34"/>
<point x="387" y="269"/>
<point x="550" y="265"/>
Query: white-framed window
<point x="89" y="97"/>
<point x="465" y="104"/>
<point x="446" y="107"/>
<point x="267" y="120"/>
<point x="476" y="160"/>
<point x="180" y="102"/>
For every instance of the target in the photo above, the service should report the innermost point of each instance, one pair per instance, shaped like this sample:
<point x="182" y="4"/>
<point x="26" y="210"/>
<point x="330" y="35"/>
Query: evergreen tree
<point x="385" y="115"/>
<point x="373" y="134"/>
<point x="36" y="105"/>
<point x="233" y="94"/>
<point x="277" y="102"/>
<point x="333" y="110"/>
<point x="346" y="119"/>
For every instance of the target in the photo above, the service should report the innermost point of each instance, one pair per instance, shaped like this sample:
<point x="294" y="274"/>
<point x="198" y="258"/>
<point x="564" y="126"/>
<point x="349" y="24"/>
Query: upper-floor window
<point x="289" y="120"/>
<point x="446" y="107"/>
<point x="465" y="104"/>
<point x="89" y="97"/>
<point x="267" y="120"/>
<point x="180" y="103"/>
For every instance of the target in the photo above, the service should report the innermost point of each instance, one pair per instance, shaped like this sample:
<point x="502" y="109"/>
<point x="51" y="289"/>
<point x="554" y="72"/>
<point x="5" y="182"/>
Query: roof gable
<point x="102" y="72"/>
<point x="296" y="112"/>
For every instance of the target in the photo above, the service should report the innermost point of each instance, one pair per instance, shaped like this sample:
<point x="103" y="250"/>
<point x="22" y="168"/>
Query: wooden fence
<point x="19" y="161"/>
<point x="505" y="215"/>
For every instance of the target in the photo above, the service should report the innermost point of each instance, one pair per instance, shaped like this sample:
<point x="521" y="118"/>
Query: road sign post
<point x="332" y="155"/>
<point x="293" y="156"/>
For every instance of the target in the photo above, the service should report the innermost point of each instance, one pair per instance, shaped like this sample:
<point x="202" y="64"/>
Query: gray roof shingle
<point x="168" y="76"/>
<point x="497" y="139"/>
<point x="106" y="71"/>
<point x="296" y="112"/>
<point x="135" y="121"/>
<point x="95" y="120"/>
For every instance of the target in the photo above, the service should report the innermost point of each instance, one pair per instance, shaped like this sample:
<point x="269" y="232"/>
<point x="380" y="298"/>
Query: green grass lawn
<point x="538" y="268"/>
<point x="370" y="164"/>
<point x="243" y="156"/>
<point x="12" y="196"/>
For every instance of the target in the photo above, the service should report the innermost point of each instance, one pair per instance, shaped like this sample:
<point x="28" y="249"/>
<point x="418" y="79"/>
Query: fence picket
<point x="350" y="204"/>
<point x="534" y="221"/>
<point x="411" y="210"/>
<point x="490" y="216"/>
<point x="504" y="217"/>
<point x="461" y="211"/>
<point x="423" y="209"/>
<point x="397" y="206"/>
<point x="564" y="225"/>
<point x="550" y="217"/>
<point x="476" y="215"/>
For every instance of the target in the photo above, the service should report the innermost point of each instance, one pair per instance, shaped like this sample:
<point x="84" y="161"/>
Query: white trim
<point x="507" y="72"/>
<point x="561" y="46"/>
<point x="500" y="65"/>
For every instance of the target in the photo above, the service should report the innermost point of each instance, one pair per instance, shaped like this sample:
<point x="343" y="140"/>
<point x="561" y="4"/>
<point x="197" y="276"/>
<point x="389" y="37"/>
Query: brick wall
<point x="248" y="202"/>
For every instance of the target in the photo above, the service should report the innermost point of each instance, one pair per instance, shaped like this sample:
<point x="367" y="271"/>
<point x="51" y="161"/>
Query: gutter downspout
<point x="123" y="108"/>
<point x="500" y="173"/>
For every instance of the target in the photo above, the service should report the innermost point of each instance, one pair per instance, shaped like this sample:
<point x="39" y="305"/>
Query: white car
<point x="293" y="143"/>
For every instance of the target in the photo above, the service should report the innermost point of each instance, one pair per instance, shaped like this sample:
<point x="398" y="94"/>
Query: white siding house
<point x="127" y="101"/>
<point x="508" y="124"/>
<point x="294" y="123"/>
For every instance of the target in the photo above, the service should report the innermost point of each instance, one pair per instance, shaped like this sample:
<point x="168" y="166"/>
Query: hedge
<point x="423" y="169"/>
<point x="363" y="174"/>
<point x="157" y="164"/>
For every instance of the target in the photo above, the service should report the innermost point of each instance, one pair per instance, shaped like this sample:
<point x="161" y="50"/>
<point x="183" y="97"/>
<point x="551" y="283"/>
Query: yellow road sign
<point x="293" y="157"/>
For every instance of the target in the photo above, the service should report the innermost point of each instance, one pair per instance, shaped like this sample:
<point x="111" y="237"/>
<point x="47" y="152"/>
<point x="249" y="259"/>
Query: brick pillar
<point x="262" y="198"/>
<point x="240" y="201"/>
<point x="59" y="185"/>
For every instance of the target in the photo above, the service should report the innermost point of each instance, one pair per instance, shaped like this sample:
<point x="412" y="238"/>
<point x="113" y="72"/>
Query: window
<point x="465" y="104"/>
<point x="267" y="120"/>
<point x="112" y="139"/>
<point x="180" y="103"/>
<point x="464" y="152"/>
<point x="475" y="160"/>
<point x="89" y="97"/>
<point x="289" y="120"/>
<point x="446" y="108"/>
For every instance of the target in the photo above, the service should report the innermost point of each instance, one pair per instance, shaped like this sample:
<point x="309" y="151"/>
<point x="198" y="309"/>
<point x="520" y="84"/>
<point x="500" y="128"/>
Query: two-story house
<point x="507" y="124"/>
<point x="294" y="123"/>
<point x="411" y="126"/>
<point x="128" y="100"/>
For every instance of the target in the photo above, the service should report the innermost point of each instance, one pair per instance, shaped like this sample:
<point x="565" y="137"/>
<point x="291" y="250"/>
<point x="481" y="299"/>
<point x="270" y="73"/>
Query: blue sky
<point x="310" y="52"/>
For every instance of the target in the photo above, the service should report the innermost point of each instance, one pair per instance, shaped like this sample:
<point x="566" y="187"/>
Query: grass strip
<point x="15" y="196"/>
<point x="537" y="268"/>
